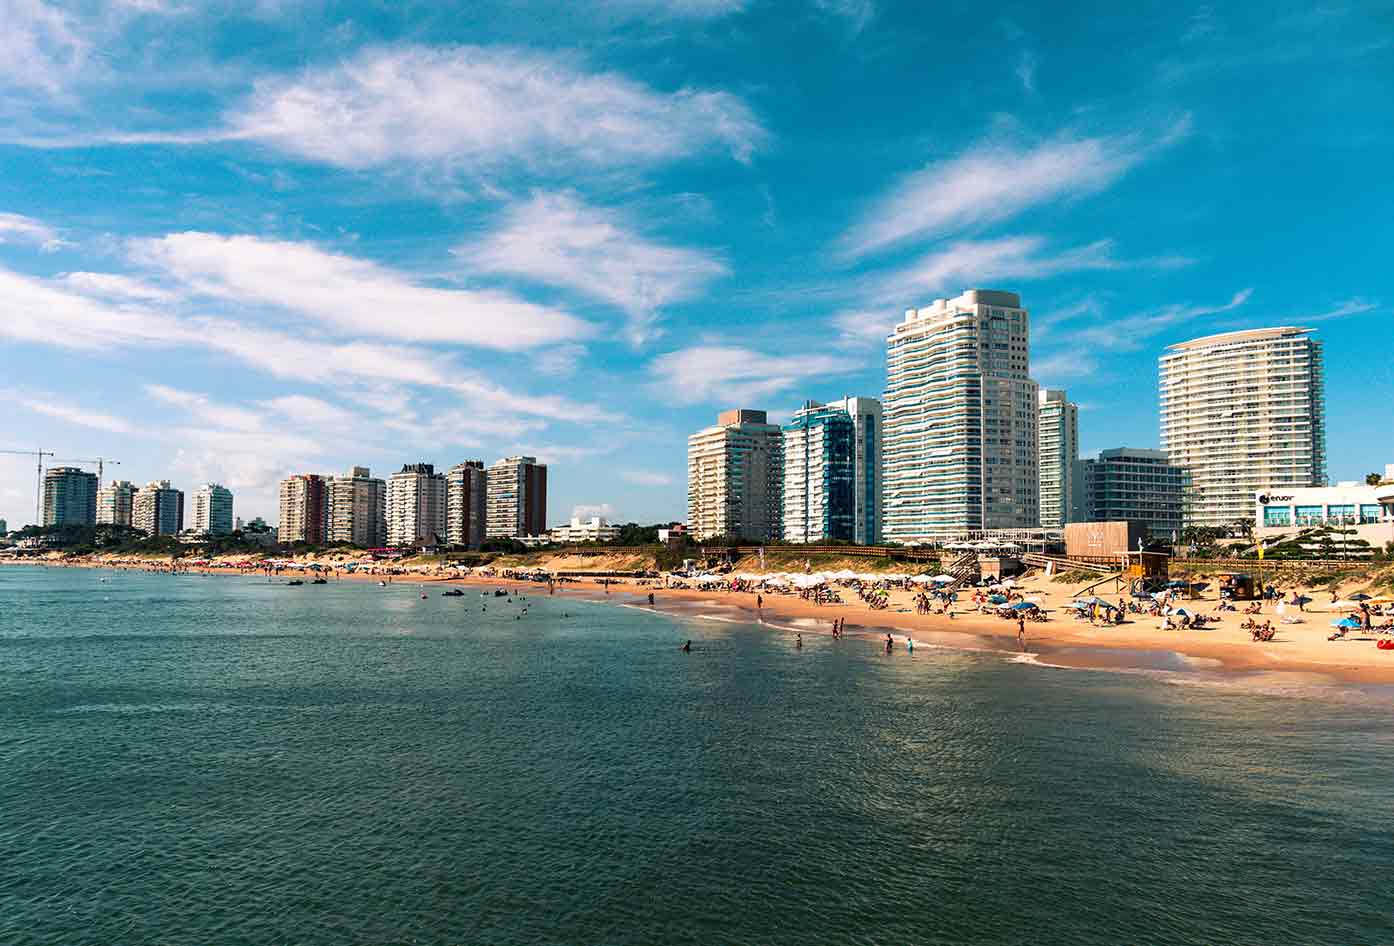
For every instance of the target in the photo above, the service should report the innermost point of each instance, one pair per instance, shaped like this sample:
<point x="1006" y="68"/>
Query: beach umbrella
<point x="1359" y="596"/>
<point x="997" y="599"/>
<point x="1181" y="612"/>
<point x="1346" y="622"/>
<point x="943" y="579"/>
<point x="921" y="579"/>
<point x="1024" y="606"/>
<point x="1008" y="583"/>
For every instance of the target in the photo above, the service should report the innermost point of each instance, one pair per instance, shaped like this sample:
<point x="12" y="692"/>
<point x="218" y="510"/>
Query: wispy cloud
<point x="49" y="405"/>
<point x="729" y="374"/>
<point x="201" y="407"/>
<point x="1342" y="310"/>
<point x="646" y="478"/>
<point x="559" y="240"/>
<point x="863" y="328"/>
<point x="475" y="108"/>
<point x="16" y="228"/>
<point x="350" y="294"/>
<point x="986" y="261"/>
<point x="116" y="287"/>
<point x="995" y="182"/>
<point x="857" y="13"/>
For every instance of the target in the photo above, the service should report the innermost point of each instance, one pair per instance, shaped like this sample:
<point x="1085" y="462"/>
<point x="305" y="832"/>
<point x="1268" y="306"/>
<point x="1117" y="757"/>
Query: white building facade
<point x="358" y="509"/>
<point x="1058" y="458"/>
<point x="467" y="504"/>
<point x="212" y="510"/>
<point x="1242" y="413"/>
<point x="158" y="509"/>
<point x="960" y="450"/>
<point x="594" y="529"/>
<point x="114" y="503"/>
<point x="416" y="506"/>
<point x="735" y="478"/>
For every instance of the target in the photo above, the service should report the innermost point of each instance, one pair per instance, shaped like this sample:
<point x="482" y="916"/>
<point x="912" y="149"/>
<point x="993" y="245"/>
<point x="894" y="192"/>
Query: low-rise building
<point x="594" y="529"/>
<point x="1364" y="512"/>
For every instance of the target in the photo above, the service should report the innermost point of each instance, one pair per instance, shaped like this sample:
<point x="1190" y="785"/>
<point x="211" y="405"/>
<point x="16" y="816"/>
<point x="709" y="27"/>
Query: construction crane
<point x="39" y="485"/>
<point x="99" y="461"/>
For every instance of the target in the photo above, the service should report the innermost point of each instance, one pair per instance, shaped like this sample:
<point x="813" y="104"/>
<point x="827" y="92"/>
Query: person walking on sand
<point x="759" y="602"/>
<point x="909" y="644"/>
<point x="1021" y="632"/>
<point x="650" y="599"/>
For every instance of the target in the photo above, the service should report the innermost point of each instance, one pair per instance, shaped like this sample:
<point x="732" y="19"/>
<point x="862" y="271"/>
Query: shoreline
<point x="1060" y="642"/>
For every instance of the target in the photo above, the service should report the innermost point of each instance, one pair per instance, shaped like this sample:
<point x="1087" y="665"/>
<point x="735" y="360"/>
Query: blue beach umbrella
<point x="1346" y="622"/>
<point x="997" y="599"/>
<point x="1023" y="606"/>
<point x="1360" y="596"/>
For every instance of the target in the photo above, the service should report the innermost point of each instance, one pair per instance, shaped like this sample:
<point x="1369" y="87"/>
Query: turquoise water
<point x="216" y="760"/>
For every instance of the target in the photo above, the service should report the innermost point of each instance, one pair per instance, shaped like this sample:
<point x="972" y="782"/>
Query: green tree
<point x="1373" y="479"/>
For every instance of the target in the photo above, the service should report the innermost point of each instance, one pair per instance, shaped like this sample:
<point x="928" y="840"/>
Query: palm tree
<point x="1373" y="479"/>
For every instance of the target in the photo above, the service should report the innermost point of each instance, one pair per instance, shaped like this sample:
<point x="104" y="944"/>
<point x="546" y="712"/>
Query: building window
<point x="1344" y="513"/>
<point x="1277" y="516"/>
<point x="1308" y="515"/>
<point x="1369" y="512"/>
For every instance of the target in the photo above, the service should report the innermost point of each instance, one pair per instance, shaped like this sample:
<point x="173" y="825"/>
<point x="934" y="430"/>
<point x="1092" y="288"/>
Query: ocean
<point x="222" y="760"/>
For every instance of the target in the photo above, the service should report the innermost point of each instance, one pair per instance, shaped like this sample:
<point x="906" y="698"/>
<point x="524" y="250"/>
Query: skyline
<point x="653" y="212"/>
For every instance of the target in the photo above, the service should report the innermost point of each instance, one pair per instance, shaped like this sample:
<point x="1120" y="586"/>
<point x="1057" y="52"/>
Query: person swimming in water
<point x="687" y="648"/>
<point x="890" y="644"/>
<point x="909" y="644"/>
<point x="798" y="640"/>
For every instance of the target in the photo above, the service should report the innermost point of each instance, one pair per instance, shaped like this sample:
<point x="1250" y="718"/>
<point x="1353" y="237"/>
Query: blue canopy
<point x="997" y="599"/>
<point x="1346" y="622"/>
<point x="1023" y="606"/>
<point x="1359" y="596"/>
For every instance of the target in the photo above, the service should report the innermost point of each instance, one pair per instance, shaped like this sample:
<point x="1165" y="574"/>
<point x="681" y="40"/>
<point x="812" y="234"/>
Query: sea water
<point x="226" y="760"/>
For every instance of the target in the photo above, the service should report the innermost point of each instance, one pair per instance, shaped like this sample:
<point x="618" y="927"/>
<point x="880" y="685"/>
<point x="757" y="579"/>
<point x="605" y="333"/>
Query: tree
<point x="1373" y="479"/>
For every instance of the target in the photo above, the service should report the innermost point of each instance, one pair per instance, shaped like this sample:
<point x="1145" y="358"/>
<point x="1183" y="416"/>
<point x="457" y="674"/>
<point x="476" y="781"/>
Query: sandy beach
<point x="1062" y="640"/>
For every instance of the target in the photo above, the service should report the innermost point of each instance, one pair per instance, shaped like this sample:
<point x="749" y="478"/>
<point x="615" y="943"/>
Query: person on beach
<point x="798" y="640"/>
<point x="759" y="602"/>
<point x="890" y="644"/>
<point x="1021" y="632"/>
<point x="909" y="644"/>
<point x="687" y="648"/>
<point x="650" y="599"/>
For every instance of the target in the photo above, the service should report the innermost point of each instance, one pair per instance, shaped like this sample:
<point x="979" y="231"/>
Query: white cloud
<point x="857" y="12"/>
<point x="978" y="262"/>
<point x="47" y="313"/>
<point x="49" y="406"/>
<point x="858" y="328"/>
<point x="310" y="410"/>
<point x="1026" y="71"/>
<point x="41" y="46"/>
<point x="1343" y="309"/>
<point x="994" y="182"/>
<point x="1128" y="333"/>
<point x="558" y="240"/>
<point x="672" y="9"/>
<point x="18" y="228"/>
<point x="646" y="478"/>
<point x="560" y="362"/>
<point x="114" y="286"/>
<point x="590" y="510"/>
<point x="351" y="294"/>
<point x="476" y="108"/>
<point x="202" y="408"/>
<point x="708" y="373"/>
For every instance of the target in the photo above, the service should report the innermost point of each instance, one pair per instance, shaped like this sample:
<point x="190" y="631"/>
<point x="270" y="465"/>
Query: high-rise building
<point x="1241" y="413"/>
<point x="114" y="503"/>
<point x="4" y="528"/>
<point x="358" y="509"/>
<point x="213" y="509"/>
<point x="304" y="509"/>
<point x="819" y="452"/>
<point x="735" y="478"/>
<point x="866" y="491"/>
<point x="467" y="504"/>
<point x="1133" y="485"/>
<point x="517" y="498"/>
<point x="1058" y="457"/>
<point x="959" y="449"/>
<point x="158" y="509"/>
<point x="416" y="505"/>
<point x="70" y="497"/>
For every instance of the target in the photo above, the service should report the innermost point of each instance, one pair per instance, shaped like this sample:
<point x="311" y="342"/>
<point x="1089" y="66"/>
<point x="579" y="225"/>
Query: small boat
<point x="500" y="594"/>
<point x="455" y="593"/>
<point x="295" y="581"/>
<point x="320" y="581"/>
<point x="382" y="584"/>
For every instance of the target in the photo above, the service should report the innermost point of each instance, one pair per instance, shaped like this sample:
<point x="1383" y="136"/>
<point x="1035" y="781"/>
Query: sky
<point x="241" y="240"/>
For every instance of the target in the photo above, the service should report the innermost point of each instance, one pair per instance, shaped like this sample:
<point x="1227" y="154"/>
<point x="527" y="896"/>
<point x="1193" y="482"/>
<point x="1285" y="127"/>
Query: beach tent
<point x="922" y="579"/>
<point x="943" y="579"/>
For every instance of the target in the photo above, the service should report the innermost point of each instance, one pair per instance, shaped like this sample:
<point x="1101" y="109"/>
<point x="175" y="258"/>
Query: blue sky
<point x="244" y="239"/>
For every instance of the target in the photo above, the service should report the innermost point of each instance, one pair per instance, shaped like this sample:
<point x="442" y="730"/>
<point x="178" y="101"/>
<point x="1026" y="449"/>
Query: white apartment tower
<point x="358" y="509"/>
<point x="735" y="474"/>
<point x="1059" y="458"/>
<point x="467" y="504"/>
<point x="959" y="452"/>
<point x="114" y="503"/>
<point x="415" y="505"/>
<point x="1242" y="413"/>
<point x="517" y="498"/>
<point x="213" y="509"/>
<point x="304" y="509"/>
<point x="866" y="495"/>
<point x="158" y="509"/>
